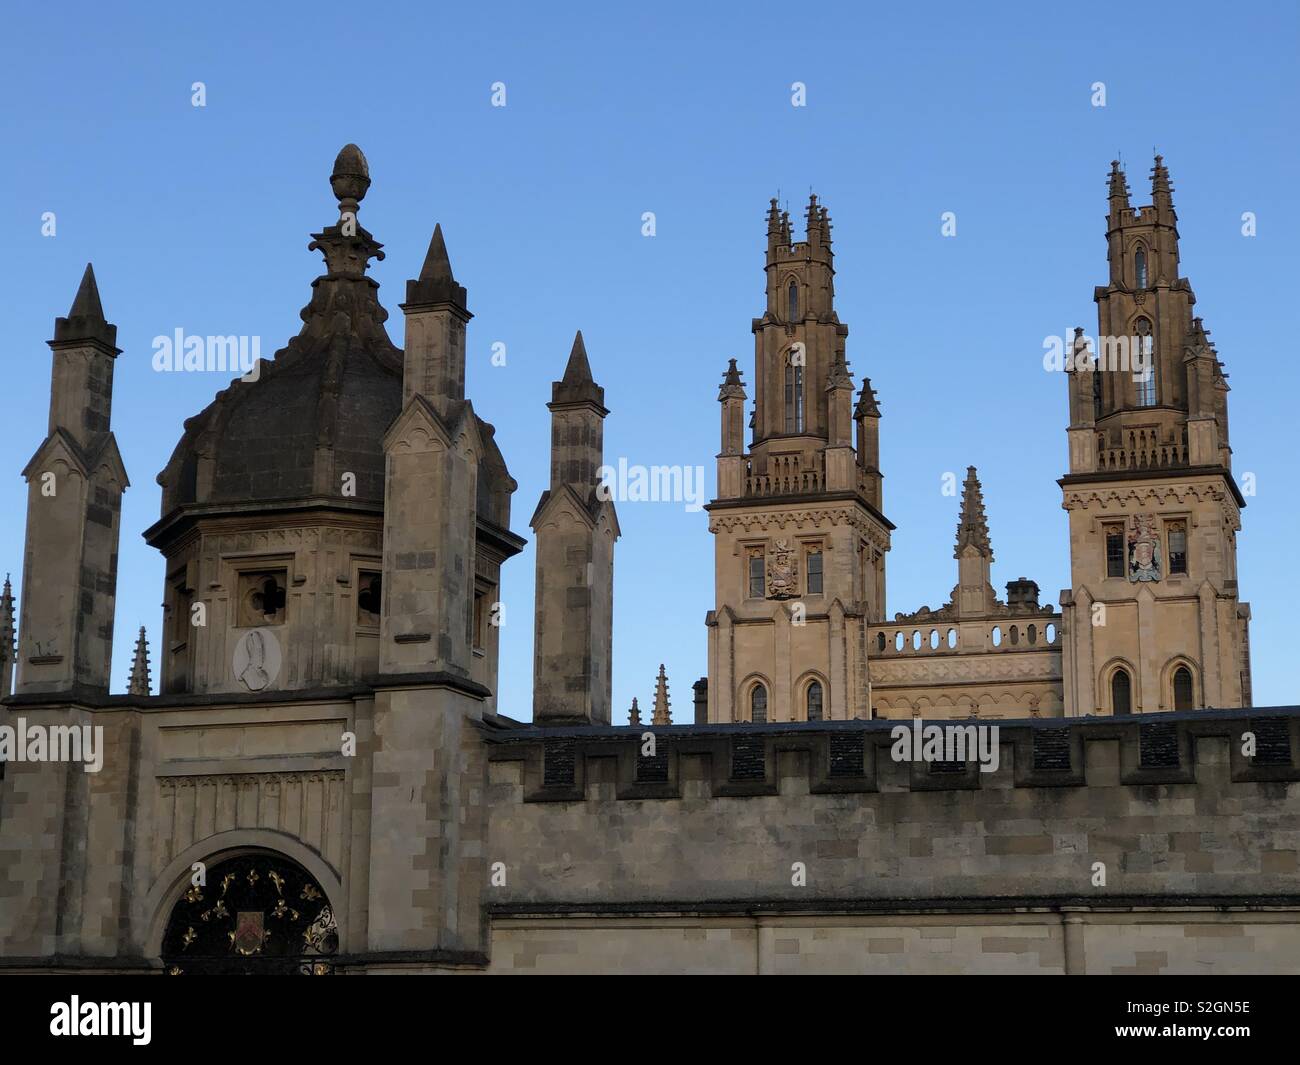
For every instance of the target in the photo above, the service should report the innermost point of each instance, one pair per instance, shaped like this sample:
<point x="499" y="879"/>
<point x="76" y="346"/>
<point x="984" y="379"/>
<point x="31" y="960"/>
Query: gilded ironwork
<point x="236" y="935"/>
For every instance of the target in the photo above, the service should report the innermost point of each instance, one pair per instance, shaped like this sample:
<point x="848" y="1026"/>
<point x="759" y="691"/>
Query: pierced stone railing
<point x="785" y="475"/>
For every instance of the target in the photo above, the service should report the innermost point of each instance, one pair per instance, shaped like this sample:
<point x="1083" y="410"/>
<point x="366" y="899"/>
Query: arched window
<point x="1121" y="693"/>
<point x="794" y="301"/>
<point x="1140" y="267"/>
<point x="758" y="705"/>
<point x="815" y="701"/>
<point x="794" y="391"/>
<point x="257" y="914"/>
<point x="1182" y="688"/>
<point x="1144" y="365"/>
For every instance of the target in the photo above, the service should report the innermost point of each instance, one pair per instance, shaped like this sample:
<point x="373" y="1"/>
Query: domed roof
<point x="319" y="408"/>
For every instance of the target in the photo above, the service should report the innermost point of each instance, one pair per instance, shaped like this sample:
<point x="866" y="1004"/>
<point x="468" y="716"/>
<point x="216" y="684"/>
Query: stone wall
<point x="690" y="861"/>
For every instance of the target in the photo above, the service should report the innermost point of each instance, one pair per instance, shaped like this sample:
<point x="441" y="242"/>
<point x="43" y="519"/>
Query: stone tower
<point x="1152" y="620"/>
<point x="800" y="538"/>
<point x="576" y="528"/>
<point x="75" y="483"/>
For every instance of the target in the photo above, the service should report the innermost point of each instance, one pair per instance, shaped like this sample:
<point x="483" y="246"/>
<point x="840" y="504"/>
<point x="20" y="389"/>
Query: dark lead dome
<point x="319" y="409"/>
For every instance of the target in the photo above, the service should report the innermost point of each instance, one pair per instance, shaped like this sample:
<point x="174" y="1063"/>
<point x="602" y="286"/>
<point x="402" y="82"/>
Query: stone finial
<point x="972" y="526"/>
<point x="773" y="222"/>
<point x="1161" y="190"/>
<point x="839" y="376"/>
<point x="140" y="683"/>
<point x="350" y="178"/>
<point x="85" y="321"/>
<point x="577" y="386"/>
<point x="732" y="385"/>
<point x="867" y="407"/>
<point x="1118" y="190"/>
<point x="634" y="713"/>
<point x="663" y="713"/>
<point x="436" y="283"/>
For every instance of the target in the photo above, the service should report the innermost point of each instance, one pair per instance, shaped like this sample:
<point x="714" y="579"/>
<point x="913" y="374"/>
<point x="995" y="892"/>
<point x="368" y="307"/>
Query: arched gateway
<point x="256" y="913"/>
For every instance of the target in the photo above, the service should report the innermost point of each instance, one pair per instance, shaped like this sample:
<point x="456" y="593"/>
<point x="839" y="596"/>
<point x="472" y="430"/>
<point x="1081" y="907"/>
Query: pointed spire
<point x="663" y="714"/>
<point x="140" y="683"/>
<point x="839" y="376"/>
<point x="577" y="386"/>
<point x="867" y="406"/>
<point x="634" y="713"/>
<point x="578" y="370"/>
<point x="1161" y="190"/>
<point x="86" y="304"/>
<point x="972" y="526"/>
<point x="1118" y="193"/>
<point x="732" y="385"/>
<point x="85" y="321"/>
<point x="437" y="264"/>
<point x="436" y="283"/>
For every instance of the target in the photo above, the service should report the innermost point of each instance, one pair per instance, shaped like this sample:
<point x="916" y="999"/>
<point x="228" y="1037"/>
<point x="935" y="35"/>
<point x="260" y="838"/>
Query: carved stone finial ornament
<point x="351" y="177"/>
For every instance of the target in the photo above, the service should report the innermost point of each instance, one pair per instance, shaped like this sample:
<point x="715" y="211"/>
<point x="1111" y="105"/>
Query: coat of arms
<point x="1143" y="548"/>
<point x="249" y="933"/>
<point x="781" y="575"/>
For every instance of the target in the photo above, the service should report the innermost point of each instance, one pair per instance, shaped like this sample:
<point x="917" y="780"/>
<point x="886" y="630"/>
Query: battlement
<point x="576" y="764"/>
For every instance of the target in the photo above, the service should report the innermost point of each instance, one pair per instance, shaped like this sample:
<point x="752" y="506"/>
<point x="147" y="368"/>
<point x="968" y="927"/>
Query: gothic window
<point x="756" y="575"/>
<point x="1114" y="551"/>
<point x="758" y="705"/>
<point x="1121" y="693"/>
<point x="1177" y="547"/>
<point x="794" y="391"/>
<point x="794" y="301"/>
<point x="262" y="598"/>
<point x="815" y="701"/>
<point x="1182" y="688"/>
<point x="1144" y="366"/>
<point x="369" y="589"/>
<point x="813" y="568"/>
<point x="1140" y="264"/>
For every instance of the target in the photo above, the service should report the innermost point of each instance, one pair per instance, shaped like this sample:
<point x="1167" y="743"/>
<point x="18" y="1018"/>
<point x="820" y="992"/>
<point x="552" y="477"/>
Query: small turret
<point x="140" y="683"/>
<point x="8" y="650"/>
<point x="663" y="713"/>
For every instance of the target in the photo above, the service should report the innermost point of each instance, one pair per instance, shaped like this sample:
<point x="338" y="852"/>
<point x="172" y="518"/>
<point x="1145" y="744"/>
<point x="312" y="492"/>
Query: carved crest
<point x="782" y="568"/>
<point x="1143" y="548"/>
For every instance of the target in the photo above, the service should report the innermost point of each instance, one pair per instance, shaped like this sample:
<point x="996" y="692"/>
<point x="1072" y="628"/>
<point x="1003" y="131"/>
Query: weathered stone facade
<point x="327" y="715"/>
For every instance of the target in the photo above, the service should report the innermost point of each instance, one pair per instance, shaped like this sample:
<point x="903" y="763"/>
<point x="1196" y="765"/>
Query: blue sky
<point x="198" y="218"/>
